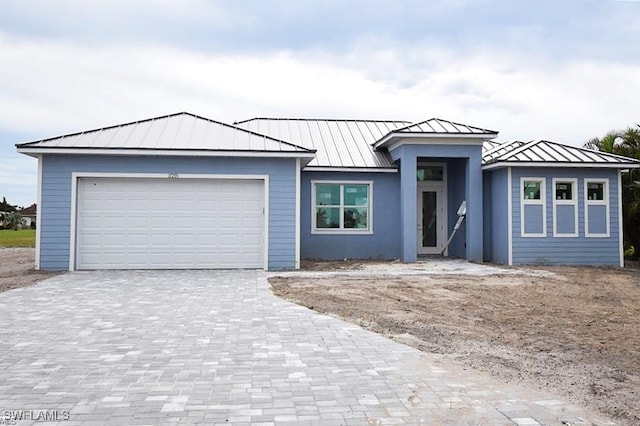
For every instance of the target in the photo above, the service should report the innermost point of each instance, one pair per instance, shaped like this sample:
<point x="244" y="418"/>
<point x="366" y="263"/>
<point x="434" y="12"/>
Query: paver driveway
<point x="152" y="347"/>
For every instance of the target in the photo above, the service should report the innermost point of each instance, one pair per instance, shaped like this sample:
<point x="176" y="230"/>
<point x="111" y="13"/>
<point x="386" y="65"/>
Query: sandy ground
<point x="17" y="268"/>
<point x="571" y="330"/>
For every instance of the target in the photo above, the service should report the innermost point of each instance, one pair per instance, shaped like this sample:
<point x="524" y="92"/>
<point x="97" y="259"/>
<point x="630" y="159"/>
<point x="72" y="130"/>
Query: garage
<point x="170" y="223"/>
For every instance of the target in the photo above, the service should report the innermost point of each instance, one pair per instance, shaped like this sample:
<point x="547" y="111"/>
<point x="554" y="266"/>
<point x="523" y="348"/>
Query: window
<point x="341" y="207"/>
<point x="428" y="172"/>
<point x="565" y="207"/>
<point x="533" y="218"/>
<point x="596" y="207"/>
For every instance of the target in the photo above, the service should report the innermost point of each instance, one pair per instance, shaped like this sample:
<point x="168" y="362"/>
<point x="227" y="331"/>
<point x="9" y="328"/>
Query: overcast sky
<point x="563" y="70"/>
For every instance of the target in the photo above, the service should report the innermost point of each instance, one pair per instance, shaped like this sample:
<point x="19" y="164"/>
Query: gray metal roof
<point x="492" y="150"/>
<point x="439" y="126"/>
<point x="544" y="153"/>
<point x="339" y="143"/>
<point x="179" y="132"/>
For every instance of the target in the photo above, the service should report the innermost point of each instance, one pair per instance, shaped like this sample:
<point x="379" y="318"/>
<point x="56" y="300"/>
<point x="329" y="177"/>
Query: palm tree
<point x="608" y="143"/>
<point x="625" y="143"/>
<point x="13" y="220"/>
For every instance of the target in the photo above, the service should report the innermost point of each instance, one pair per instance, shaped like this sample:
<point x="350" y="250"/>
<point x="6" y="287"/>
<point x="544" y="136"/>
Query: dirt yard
<point x="17" y="268"/>
<point x="575" y="332"/>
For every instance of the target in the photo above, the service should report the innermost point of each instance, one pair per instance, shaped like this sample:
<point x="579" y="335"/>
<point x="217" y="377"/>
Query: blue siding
<point x="496" y="248"/>
<point x="456" y="172"/>
<point x="566" y="250"/>
<point x="56" y="196"/>
<point x="384" y="243"/>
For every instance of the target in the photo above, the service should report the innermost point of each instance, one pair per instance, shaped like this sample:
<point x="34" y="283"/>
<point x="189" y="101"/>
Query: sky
<point x="561" y="70"/>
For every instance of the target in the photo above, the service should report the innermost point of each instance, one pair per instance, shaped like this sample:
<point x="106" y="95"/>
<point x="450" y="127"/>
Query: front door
<point x="431" y="221"/>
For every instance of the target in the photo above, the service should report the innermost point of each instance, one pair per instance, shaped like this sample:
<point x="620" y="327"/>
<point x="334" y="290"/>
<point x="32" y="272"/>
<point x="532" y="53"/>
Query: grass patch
<point x="21" y="238"/>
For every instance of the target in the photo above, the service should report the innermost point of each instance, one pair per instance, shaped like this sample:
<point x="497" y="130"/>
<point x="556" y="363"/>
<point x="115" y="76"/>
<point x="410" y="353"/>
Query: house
<point x="183" y="191"/>
<point x="29" y="215"/>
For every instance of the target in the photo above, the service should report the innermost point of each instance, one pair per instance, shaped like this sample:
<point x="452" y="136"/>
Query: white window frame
<point x="603" y="202"/>
<point x="341" y="230"/>
<point x="526" y="202"/>
<point x="573" y="202"/>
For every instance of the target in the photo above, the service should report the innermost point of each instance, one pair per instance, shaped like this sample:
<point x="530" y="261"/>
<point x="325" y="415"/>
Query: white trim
<point x="265" y="258"/>
<point x="297" y="215"/>
<point x="342" y="231"/>
<point x="349" y="169"/>
<point x="573" y="202"/>
<point x="604" y="202"/>
<point x="541" y="202"/>
<point x="560" y="164"/>
<point x="166" y="152"/>
<point x="620" y="219"/>
<point x="509" y="217"/>
<point x="407" y="135"/>
<point x="38" y="212"/>
<point x="440" y="140"/>
<point x="74" y="201"/>
<point x="435" y="184"/>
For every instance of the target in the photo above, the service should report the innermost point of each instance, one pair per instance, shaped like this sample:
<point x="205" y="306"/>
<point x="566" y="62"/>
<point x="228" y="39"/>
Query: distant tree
<point x="6" y="207"/>
<point x="13" y="220"/>
<point x="625" y="143"/>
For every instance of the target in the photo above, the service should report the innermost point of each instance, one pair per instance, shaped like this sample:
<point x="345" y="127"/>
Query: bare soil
<point x="575" y="333"/>
<point x="17" y="268"/>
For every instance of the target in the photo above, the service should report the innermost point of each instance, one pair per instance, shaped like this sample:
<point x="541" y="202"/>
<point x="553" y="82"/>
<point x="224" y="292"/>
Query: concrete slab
<point x="216" y="347"/>
<point x="426" y="266"/>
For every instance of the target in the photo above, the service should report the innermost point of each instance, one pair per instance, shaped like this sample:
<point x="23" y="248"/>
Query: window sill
<point x="341" y="232"/>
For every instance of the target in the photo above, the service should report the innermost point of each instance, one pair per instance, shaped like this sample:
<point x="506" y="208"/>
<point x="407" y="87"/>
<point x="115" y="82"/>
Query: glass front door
<point x="430" y="220"/>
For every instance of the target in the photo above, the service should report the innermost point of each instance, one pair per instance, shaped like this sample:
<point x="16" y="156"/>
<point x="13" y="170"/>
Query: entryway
<point x="431" y="205"/>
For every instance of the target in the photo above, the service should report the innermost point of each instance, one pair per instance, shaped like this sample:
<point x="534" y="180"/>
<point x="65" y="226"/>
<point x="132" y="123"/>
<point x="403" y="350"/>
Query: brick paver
<point x="209" y="347"/>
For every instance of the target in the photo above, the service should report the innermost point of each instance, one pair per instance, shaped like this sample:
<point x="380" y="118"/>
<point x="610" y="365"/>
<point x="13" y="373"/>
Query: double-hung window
<point x="533" y="218"/>
<point x="596" y="207"/>
<point x="565" y="207"/>
<point x="341" y="207"/>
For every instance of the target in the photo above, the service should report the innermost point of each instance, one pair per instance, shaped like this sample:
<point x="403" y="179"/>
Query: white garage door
<point x="143" y="223"/>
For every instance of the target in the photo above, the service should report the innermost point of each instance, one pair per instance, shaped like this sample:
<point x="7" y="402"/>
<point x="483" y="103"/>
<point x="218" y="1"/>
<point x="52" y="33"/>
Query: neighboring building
<point x="29" y="215"/>
<point x="182" y="191"/>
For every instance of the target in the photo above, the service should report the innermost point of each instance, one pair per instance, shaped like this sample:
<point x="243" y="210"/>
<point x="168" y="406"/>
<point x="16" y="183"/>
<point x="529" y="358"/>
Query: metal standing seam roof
<point x="436" y="127"/>
<point x="492" y="150"/>
<point x="339" y="143"/>
<point x="547" y="152"/>
<point x="176" y="132"/>
<point x="439" y="126"/>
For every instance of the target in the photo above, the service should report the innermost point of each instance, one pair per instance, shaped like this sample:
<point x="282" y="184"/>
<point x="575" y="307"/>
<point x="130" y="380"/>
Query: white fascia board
<point x="478" y="138"/>
<point x="557" y="164"/>
<point x="349" y="169"/>
<point x="164" y="152"/>
<point x="436" y="141"/>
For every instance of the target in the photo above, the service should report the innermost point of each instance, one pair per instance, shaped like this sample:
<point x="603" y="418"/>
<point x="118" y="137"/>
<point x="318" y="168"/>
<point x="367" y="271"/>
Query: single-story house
<point x="29" y="215"/>
<point x="183" y="191"/>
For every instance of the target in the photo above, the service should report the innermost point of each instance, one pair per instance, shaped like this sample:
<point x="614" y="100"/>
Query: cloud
<point x="50" y="88"/>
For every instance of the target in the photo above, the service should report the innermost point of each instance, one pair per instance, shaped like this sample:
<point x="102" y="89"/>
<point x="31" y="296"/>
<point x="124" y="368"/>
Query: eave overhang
<point x="547" y="164"/>
<point x="307" y="155"/>
<point x="395" y="139"/>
